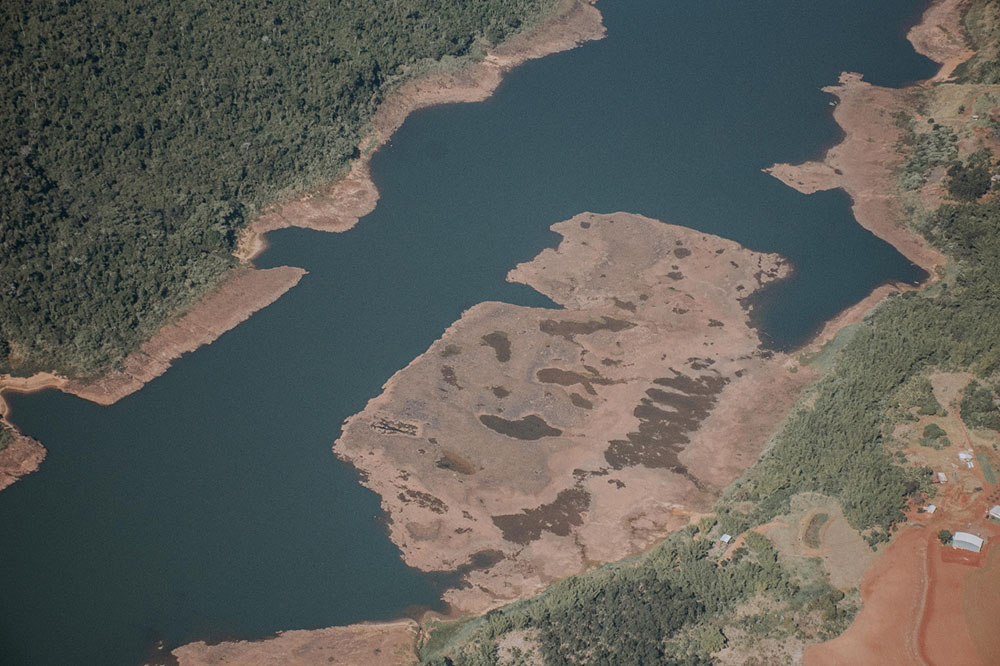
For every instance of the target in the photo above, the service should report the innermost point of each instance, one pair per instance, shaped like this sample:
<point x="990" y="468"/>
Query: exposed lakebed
<point x="208" y="505"/>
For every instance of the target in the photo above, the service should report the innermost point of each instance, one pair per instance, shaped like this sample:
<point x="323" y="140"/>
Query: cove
<point x="209" y="506"/>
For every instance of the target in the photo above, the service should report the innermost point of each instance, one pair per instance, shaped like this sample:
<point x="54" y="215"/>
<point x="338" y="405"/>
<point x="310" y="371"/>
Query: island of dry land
<point x="245" y="289"/>
<point x="527" y="443"/>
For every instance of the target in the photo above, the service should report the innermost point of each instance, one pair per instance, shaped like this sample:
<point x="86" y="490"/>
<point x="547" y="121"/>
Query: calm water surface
<point x="209" y="505"/>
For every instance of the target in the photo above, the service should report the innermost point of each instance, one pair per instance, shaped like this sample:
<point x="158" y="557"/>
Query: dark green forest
<point x="671" y="606"/>
<point x="139" y="138"/>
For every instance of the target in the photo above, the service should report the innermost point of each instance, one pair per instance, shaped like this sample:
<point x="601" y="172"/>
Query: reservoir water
<point x="209" y="505"/>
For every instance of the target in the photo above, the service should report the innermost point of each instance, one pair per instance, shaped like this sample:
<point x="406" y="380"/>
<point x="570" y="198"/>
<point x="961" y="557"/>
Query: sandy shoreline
<point x="339" y="207"/>
<point x="240" y="294"/>
<point x="864" y="165"/>
<point x="22" y="456"/>
<point x="940" y="36"/>
<point x="369" y="644"/>
<point x="620" y="416"/>
<point x="865" y="161"/>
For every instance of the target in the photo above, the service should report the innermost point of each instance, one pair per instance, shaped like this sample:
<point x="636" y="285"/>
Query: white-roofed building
<point x="967" y="541"/>
<point x="995" y="512"/>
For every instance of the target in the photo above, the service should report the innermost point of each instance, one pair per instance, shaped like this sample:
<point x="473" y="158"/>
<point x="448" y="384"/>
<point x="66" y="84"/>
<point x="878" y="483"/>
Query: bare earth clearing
<point x="527" y="443"/>
<point x="923" y="602"/>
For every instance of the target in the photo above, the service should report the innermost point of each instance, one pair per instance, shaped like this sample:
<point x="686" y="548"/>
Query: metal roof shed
<point x="967" y="541"/>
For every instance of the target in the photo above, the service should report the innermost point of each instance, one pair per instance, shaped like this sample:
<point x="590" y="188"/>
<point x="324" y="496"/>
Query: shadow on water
<point x="208" y="505"/>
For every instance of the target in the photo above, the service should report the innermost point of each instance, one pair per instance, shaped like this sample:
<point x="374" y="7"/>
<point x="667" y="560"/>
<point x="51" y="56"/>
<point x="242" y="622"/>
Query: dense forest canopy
<point x="140" y="137"/>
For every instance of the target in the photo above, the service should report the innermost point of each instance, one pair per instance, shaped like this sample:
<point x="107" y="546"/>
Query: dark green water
<point x="209" y="505"/>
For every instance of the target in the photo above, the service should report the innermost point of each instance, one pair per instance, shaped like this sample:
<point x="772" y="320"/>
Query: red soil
<point x="892" y="592"/>
<point x="943" y="636"/>
<point x="981" y="606"/>
<point x="924" y="602"/>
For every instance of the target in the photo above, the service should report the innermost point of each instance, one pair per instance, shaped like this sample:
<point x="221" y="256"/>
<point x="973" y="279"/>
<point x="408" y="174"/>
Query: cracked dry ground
<point x="529" y="443"/>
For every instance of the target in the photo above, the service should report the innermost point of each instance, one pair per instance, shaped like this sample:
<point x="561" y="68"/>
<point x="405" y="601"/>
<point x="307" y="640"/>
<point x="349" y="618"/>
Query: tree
<point x="970" y="181"/>
<point x="945" y="537"/>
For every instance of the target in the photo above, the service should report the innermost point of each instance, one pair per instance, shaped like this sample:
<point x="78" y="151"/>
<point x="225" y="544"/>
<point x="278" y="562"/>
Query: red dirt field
<point x="943" y="636"/>
<point x="926" y="603"/>
<point x="981" y="606"/>
<point x="892" y="593"/>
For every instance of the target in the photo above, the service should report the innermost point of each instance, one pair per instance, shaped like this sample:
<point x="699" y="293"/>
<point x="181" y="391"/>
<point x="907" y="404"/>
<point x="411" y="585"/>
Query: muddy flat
<point x="527" y="443"/>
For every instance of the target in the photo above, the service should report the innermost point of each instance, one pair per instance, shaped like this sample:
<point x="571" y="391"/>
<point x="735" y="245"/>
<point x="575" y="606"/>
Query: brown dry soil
<point x="241" y="293"/>
<point x="560" y="438"/>
<point x="940" y="36"/>
<point x="386" y="644"/>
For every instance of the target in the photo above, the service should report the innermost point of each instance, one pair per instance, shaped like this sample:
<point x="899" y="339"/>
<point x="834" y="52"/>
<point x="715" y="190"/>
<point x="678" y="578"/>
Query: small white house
<point x="995" y="512"/>
<point x="967" y="541"/>
<point x="930" y="508"/>
<point x="942" y="478"/>
<point x="965" y="456"/>
<point x="726" y="538"/>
